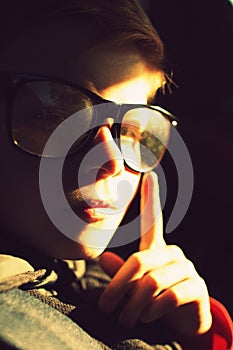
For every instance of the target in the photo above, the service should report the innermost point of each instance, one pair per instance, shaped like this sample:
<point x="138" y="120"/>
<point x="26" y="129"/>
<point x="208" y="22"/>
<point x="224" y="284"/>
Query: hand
<point x="159" y="280"/>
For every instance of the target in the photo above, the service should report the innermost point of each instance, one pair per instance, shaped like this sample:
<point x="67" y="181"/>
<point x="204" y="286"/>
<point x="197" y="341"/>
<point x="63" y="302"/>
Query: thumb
<point x="110" y="263"/>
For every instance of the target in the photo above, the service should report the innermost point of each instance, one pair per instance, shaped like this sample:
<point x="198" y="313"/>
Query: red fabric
<point x="222" y="328"/>
<point x="219" y="337"/>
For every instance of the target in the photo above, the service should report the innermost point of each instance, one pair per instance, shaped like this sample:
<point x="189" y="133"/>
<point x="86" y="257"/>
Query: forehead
<point x="60" y="47"/>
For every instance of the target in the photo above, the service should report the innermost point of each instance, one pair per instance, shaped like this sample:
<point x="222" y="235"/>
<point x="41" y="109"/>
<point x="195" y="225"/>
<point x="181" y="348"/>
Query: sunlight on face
<point x="131" y="83"/>
<point x="123" y="186"/>
<point x="136" y="90"/>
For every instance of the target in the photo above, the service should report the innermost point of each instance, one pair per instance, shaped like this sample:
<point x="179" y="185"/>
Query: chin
<point x="89" y="253"/>
<point x="88" y="244"/>
<point x="76" y="251"/>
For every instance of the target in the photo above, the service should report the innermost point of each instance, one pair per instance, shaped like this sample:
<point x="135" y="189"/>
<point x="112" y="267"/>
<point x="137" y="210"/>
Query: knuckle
<point x="190" y="268"/>
<point x="177" y="252"/>
<point x="202" y="285"/>
<point x="200" y="288"/>
<point x="151" y="283"/>
<point x="136" y="261"/>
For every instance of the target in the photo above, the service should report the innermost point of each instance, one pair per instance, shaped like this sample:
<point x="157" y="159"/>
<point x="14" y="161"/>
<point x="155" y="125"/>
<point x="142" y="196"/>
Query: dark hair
<point x="122" y="22"/>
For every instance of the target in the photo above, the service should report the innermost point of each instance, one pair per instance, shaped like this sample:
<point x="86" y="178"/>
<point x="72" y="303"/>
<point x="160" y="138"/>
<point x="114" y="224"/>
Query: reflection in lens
<point x="39" y="107"/>
<point x="130" y="145"/>
<point x="144" y="135"/>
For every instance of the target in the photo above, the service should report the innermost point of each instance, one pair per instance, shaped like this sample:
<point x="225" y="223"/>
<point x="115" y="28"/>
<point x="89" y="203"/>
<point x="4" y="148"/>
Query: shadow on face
<point x="58" y="48"/>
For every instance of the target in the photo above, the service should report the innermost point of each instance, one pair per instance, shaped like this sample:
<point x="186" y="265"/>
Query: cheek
<point x="19" y="185"/>
<point x="20" y="171"/>
<point x="21" y="207"/>
<point x="22" y="212"/>
<point x="13" y="172"/>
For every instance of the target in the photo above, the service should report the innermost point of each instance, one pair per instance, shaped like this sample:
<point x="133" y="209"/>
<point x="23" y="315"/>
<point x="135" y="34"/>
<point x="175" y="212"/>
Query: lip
<point x="93" y="203"/>
<point x="92" y="210"/>
<point x="87" y="203"/>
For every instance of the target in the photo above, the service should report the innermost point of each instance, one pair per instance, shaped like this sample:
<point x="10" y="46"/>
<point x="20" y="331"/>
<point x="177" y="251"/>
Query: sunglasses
<point x="38" y="105"/>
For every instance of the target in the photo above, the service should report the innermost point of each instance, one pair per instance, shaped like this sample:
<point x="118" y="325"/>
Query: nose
<point x="109" y="160"/>
<point x="100" y="158"/>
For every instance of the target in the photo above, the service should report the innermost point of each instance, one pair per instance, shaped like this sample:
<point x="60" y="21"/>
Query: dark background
<point x="198" y="37"/>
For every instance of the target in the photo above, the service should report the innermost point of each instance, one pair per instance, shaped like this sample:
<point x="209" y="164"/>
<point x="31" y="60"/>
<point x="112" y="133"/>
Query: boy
<point x="99" y="64"/>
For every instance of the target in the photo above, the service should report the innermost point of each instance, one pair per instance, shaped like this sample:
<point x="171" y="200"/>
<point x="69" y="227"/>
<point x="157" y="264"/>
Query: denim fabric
<point x="51" y="309"/>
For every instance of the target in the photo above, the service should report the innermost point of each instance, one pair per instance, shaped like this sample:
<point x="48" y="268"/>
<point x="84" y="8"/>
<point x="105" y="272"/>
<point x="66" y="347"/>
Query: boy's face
<point x="115" y="75"/>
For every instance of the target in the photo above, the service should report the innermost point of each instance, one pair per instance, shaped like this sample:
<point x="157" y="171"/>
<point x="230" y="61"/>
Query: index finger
<point x="151" y="213"/>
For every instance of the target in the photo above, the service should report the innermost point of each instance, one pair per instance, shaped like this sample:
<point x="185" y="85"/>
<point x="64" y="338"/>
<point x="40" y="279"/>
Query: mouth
<point x="91" y="211"/>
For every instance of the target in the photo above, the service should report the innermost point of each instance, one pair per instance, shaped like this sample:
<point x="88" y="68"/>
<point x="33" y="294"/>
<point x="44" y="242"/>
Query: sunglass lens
<point x="143" y="137"/>
<point x="39" y="107"/>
